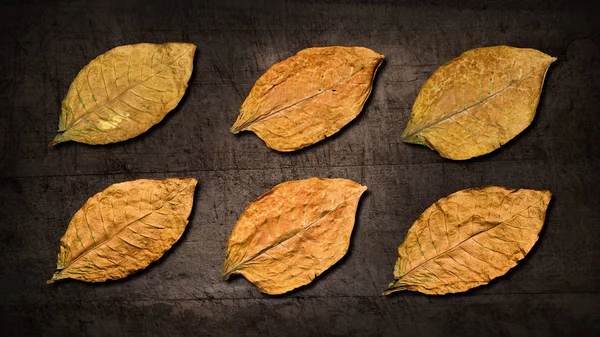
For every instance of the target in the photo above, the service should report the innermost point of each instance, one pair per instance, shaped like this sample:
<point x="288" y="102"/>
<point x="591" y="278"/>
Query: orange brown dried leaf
<point x="309" y="96"/>
<point x="293" y="233"/>
<point x="124" y="228"/>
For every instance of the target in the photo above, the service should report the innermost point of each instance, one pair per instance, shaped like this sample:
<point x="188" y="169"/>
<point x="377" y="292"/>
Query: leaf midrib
<point x="294" y="234"/>
<point x="114" y="99"/>
<point x="246" y="124"/>
<point x="465" y="240"/>
<point x="449" y="116"/>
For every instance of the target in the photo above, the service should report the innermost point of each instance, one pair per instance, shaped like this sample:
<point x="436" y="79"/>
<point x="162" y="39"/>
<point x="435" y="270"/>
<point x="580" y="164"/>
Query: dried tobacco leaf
<point x="478" y="101"/>
<point x="309" y="96"/>
<point x="124" y="92"/>
<point x="124" y="228"/>
<point x="469" y="238"/>
<point x="294" y="232"/>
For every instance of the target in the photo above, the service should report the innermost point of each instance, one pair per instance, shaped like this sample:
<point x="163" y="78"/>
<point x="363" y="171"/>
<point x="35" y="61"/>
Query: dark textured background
<point x="554" y="291"/>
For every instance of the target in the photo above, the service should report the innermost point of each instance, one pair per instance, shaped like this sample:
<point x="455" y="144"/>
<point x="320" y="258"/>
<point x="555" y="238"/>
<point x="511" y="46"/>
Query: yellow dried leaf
<point x="309" y="96"/>
<point x="294" y="232"/>
<point x="124" y="92"/>
<point x="469" y="238"/>
<point x="478" y="101"/>
<point x="124" y="228"/>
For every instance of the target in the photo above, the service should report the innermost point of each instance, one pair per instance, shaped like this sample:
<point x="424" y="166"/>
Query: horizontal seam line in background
<point x="291" y="167"/>
<point x="307" y="297"/>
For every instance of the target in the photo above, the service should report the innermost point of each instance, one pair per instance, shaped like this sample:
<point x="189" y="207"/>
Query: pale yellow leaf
<point x="124" y="92"/>
<point x="478" y="101"/>
<point x="469" y="238"/>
